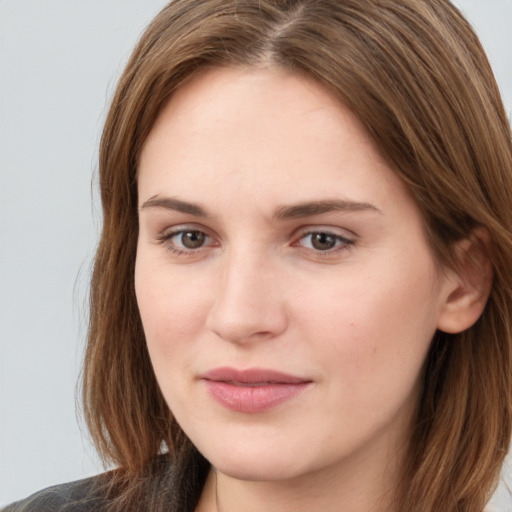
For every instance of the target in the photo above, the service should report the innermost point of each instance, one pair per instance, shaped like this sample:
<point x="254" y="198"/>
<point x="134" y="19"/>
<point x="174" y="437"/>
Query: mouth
<point x="253" y="390"/>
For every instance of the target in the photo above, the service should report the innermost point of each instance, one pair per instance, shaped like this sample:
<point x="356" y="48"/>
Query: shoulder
<point x="160" y="483"/>
<point x="79" y="496"/>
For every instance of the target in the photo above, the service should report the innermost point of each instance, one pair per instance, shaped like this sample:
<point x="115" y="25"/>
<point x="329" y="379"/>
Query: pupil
<point x="193" y="239"/>
<point x="323" y="241"/>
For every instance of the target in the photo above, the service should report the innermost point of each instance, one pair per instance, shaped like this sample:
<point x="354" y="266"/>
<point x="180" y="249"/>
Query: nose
<point x="248" y="304"/>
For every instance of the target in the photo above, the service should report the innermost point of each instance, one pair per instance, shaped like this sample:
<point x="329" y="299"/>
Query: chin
<point x="259" y="470"/>
<point x="254" y="463"/>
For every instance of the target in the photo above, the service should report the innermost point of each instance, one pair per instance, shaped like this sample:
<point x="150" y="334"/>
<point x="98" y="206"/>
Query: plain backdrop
<point x="59" y="61"/>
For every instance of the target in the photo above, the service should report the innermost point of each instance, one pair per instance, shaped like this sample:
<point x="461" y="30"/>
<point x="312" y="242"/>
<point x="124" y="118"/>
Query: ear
<point x="468" y="285"/>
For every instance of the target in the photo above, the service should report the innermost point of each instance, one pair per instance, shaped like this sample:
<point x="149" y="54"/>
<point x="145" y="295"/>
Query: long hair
<point x="415" y="74"/>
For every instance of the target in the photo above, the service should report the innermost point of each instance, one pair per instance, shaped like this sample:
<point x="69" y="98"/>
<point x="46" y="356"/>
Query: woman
<point x="301" y="297"/>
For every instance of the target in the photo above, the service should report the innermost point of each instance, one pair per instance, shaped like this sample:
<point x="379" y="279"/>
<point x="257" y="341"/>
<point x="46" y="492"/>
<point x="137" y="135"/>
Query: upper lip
<point x="251" y="376"/>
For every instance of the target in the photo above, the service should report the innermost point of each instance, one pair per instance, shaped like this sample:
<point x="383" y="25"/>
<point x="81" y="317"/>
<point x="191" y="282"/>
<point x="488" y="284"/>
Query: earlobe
<point x="468" y="285"/>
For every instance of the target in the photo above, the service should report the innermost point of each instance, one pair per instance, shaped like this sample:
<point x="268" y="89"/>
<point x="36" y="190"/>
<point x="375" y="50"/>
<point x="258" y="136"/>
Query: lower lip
<point x="253" y="399"/>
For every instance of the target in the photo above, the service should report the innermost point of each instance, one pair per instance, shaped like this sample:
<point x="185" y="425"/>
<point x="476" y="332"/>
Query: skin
<point x="356" y="320"/>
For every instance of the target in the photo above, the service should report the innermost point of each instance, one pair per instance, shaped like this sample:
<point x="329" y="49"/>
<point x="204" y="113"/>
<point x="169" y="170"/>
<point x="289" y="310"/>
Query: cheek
<point x="172" y="310"/>
<point x="172" y="314"/>
<point x="374" y="331"/>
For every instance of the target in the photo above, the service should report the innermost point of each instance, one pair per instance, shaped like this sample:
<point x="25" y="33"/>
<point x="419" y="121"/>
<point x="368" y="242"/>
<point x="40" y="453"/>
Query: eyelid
<point x="165" y="236"/>
<point x="345" y="239"/>
<point x="344" y="233"/>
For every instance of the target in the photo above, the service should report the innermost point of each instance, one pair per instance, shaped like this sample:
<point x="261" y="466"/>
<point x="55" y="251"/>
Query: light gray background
<point x="59" y="60"/>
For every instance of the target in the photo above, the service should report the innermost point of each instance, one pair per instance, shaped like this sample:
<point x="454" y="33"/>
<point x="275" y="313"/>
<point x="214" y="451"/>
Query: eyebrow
<point x="319" y="207"/>
<point x="285" y="212"/>
<point x="171" y="203"/>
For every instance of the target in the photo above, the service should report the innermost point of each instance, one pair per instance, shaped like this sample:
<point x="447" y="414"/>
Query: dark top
<point x="79" y="496"/>
<point x="165" y="485"/>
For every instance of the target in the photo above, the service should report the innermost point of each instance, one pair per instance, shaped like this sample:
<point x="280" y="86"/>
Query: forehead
<point x="218" y="95"/>
<point x="261" y="132"/>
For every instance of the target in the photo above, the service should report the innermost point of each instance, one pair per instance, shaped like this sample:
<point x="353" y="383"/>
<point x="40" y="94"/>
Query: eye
<point x="189" y="239"/>
<point x="183" y="241"/>
<point x="324" y="241"/>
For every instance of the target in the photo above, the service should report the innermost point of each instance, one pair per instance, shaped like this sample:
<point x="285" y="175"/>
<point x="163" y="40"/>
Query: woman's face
<point x="285" y="284"/>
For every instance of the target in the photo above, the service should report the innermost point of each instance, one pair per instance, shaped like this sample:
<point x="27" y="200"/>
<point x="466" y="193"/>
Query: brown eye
<point x="191" y="239"/>
<point x="186" y="242"/>
<point x="323" y="241"/>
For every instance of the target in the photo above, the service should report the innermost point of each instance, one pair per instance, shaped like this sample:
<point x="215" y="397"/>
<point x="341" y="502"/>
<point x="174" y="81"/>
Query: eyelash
<point x="342" y="243"/>
<point x="165" y="238"/>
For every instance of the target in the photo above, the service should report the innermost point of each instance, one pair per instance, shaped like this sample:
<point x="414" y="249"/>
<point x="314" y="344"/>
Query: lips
<point x="253" y="390"/>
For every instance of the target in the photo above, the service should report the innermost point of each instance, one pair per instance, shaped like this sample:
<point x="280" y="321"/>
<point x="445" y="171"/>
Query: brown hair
<point x="414" y="73"/>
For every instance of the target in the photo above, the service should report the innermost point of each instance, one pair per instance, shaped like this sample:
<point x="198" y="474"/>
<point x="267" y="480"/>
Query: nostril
<point x="243" y="324"/>
<point x="241" y="332"/>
